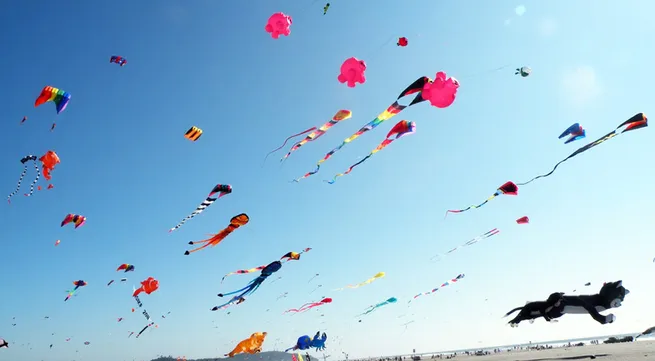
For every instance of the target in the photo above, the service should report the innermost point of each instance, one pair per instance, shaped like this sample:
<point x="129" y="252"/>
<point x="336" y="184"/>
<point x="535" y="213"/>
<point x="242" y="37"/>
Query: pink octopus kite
<point x="352" y="71"/>
<point x="442" y="91"/>
<point x="279" y="24"/>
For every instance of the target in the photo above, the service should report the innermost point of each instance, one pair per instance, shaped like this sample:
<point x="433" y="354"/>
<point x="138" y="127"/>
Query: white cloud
<point x="547" y="27"/>
<point x="581" y="85"/>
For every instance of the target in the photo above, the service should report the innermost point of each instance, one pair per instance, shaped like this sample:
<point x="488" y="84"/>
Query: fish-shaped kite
<point x="375" y="307"/>
<point x="575" y="132"/>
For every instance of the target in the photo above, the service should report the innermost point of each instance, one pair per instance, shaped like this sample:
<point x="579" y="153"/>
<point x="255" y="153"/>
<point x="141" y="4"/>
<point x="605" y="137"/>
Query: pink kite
<point x="307" y="306"/>
<point x="442" y="91"/>
<point x="352" y="71"/>
<point x="278" y="24"/>
<point x="523" y="220"/>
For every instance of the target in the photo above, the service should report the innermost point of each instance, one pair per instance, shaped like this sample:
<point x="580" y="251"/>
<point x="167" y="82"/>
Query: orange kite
<point x="236" y="222"/>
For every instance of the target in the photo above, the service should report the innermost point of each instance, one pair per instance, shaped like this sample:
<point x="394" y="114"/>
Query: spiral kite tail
<point x="36" y="179"/>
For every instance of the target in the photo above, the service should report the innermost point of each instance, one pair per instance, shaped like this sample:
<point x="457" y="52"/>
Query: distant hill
<point x="264" y="356"/>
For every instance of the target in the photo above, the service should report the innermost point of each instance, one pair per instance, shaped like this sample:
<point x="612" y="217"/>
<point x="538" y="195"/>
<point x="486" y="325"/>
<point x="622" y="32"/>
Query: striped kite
<point x="415" y="88"/>
<point x="459" y="277"/>
<point x="221" y="189"/>
<point x="339" y="116"/>
<point x="637" y="121"/>
<point x="399" y="130"/>
<point x="236" y="222"/>
<point x="508" y="189"/>
<point x="193" y="133"/>
<point x="57" y="96"/>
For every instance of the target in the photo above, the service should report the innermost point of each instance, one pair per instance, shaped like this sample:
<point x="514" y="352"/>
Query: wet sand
<point x="629" y="351"/>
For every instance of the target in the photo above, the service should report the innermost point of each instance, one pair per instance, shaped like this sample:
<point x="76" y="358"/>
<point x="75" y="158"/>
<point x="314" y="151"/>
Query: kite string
<point x="489" y="71"/>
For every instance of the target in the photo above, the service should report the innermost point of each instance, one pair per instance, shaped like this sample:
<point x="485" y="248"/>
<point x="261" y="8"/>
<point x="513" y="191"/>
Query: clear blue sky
<point x="127" y="167"/>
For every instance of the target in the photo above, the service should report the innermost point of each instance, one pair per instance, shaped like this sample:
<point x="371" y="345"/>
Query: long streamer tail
<point x="285" y="143"/>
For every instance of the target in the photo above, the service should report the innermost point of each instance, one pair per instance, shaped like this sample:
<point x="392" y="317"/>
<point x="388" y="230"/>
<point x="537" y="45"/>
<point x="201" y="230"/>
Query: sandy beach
<point x="629" y="351"/>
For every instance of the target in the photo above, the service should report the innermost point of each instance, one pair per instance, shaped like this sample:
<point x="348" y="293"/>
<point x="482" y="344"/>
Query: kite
<point x="305" y="342"/>
<point x="87" y="343"/>
<point x="4" y="343"/>
<point x="339" y="116"/>
<point x="647" y="332"/>
<point x="110" y="282"/>
<point x="402" y="41"/>
<point x="402" y="128"/>
<point x="352" y="71"/>
<point x="149" y="285"/>
<point x="23" y="121"/>
<point x="126" y="267"/>
<point x="294" y="255"/>
<point x="57" y="243"/>
<point x="251" y="345"/>
<point x="252" y="286"/>
<point x="368" y="281"/>
<point x="575" y="131"/>
<point x="24" y="160"/>
<point x="524" y="71"/>
<point x="415" y="88"/>
<point x="236" y="222"/>
<point x="221" y="189"/>
<point x="75" y="219"/>
<point x="459" y="277"/>
<point x="487" y="234"/>
<point x="442" y="91"/>
<point x="120" y="319"/>
<point x="279" y="24"/>
<point x="325" y="8"/>
<point x="118" y="60"/>
<point x="78" y="284"/>
<point x="48" y="162"/>
<point x="314" y="276"/>
<point x="375" y="307"/>
<point x="309" y="305"/>
<point x="637" y="121"/>
<point x="57" y="96"/>
<point x="508" y="189"/>
<point x="523" y="220"/>
<point x="193" y="133"/>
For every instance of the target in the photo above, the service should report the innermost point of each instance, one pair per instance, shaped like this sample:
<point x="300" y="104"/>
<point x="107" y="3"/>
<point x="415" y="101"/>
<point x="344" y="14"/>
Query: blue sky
<point x="127" y="167"/>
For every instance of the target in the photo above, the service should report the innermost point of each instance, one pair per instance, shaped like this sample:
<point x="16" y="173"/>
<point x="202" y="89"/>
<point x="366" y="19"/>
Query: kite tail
<point x="382" y="145"/>
<point x="285" y="142"/>
<point x="545" y="175"/>
<point x="20" y="180"/>
<point x="318" y="167"/>
<point x="208" y="202"/>
<point x="471" y="207"/>
<point x="290" y="348"/>
<point x="248" y="286"/>
<point x="143" y="329"/>
<point x="36" y="179"/>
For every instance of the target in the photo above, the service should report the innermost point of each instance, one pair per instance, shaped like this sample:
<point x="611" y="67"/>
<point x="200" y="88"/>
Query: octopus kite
<point x="236" y="222"/>
<point x="310" y="305"/>
<point x="399" y="130"/>
<point x="637" y="121"/>
<point x="508" y="189"/>
<point x="305" y="342"/>
<point x="368" y="281"/>
<point x="78" y="284"/>
<point x="444" y="90"/>
<point x="459" y="277"/>
<point x="251" y="345"/>
<point x="76" y="219"/>
<point x="279" y="24"/>
<point x="221" y="189"/>
<point x="125" y="267"/>
<point x="575" y="132"/>
<point x="375" y="307"/>
<point x="290" y="256"/>
<point x="252" y="286"/>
